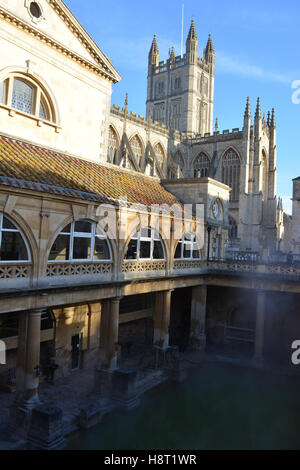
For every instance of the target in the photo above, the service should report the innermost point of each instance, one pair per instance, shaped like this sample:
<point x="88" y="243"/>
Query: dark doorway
<point x="76" y="351"/>
<point x="180" y="318"/>
<point x="230" y="321"/>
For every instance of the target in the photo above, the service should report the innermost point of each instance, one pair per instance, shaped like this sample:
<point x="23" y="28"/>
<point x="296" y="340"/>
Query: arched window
<point x="233" y="231"/>
<point x="137" y="149"/>
<point x="81" y="241"/>
<point x="188" y="248"/>
<point x="145" y="245"/>
<point x="201" y="166"/>
<point x="177" y="83"/>
<point x="12" y="243"/>
<point x="112" y="145"/>
<point x="264" y="173"/>
<point x="22" y="93"/>
<point x="231" y="168"/>
<point x="160" y="155"/>
<point x="22" y="97"/>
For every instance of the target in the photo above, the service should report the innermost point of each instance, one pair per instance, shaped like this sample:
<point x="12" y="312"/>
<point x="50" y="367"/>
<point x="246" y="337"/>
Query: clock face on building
<point x="215" y="209"/>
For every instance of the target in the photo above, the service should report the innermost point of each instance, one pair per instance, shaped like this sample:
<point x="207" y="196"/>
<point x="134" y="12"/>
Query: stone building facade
<point x="295" y="230"/>
<point x="178" y="132"/>
<point x="94" y="250"/>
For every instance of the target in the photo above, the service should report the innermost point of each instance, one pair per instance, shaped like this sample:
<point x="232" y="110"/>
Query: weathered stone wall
<point x="83" y="320"/>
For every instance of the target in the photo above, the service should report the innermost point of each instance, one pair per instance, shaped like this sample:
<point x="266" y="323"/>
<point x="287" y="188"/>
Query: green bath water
<point x="217" y="407"/>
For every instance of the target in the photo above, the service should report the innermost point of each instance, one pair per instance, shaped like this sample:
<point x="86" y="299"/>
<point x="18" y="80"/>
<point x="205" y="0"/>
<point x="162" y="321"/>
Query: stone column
<point x="28" y="358"/>
<point x="260" y="327"/>
<point x="197" y="340"/>
<point x="109" y="333"/>
<point x="162" y="309"/>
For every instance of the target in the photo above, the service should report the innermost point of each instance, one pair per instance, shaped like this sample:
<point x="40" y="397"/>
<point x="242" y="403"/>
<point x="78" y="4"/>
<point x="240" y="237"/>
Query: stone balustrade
<point x="78" y="269"/>
<point x="20" y="275"/>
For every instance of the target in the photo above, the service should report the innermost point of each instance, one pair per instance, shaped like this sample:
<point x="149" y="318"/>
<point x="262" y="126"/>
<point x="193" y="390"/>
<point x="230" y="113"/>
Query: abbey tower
<point x="180" y="90"/>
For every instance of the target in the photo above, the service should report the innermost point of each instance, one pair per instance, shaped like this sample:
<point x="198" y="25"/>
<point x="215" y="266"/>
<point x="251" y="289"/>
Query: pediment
<point x="58" y="23"/>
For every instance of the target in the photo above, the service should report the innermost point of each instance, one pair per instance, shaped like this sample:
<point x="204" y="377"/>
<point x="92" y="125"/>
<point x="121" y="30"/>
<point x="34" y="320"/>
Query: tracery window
<point x="233" y="231"/>
<point x="23" y="94"/>
<point x="201" y="166"/>
<point x="231" y="168"/>
<point x="160" y="88"/>
<point x="112" y="145"/>
<point x="12" y="244"/>
<point x="264" y="177"/>
<point x="137" y="149"/>
<point x="81" y="241"/>
<point x="159" y="112"/>
<point x="159" y="153"/>
<point x="188" y="248"/>
<point x="175" y="114"/>
<point x="145" y="245"/>
<point x="177" y="83"/>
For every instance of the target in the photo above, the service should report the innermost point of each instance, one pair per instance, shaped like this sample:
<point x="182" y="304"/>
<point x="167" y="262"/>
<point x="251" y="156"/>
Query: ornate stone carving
<point x="143" y="266"/>
<point x="15" y="271"/>
<point x="78" y="269"/>
<point x="188" y="264"/>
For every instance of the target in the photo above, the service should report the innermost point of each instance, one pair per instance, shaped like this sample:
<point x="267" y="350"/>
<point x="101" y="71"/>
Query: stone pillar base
<point x="20" y="414"/>
<point x="46" y="432"/>
<point x="19" y="420"/>
<point x="197" y="343"/>
<point x="103" y="384"/>
<point x="163" y="357"/>
<point x="90" y="415"/>
<point x="159" y="357"/>
<point x="124" y="386"/>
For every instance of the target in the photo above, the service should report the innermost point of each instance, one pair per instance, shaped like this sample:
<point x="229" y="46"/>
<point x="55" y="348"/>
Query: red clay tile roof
<point x="30" y="166"/>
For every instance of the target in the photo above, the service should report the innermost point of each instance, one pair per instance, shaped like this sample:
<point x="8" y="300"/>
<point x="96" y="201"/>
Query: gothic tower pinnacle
<point x="209" y="52"/>
<point x="258" y="110"/>
<point x="154" y="53"/>
<point x="248" y="109"/>
<point x="192" y="44"/>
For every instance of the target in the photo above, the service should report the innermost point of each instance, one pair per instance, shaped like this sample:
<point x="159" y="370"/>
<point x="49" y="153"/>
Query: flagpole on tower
<point x="182" y="21"/>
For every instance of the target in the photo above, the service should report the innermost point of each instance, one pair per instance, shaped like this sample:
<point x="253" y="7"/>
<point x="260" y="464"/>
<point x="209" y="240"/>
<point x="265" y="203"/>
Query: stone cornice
<point x="101" y="69"/>
<point x="78" y="30"/>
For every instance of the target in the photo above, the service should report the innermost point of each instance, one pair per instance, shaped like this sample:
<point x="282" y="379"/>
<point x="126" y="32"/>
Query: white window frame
<point x="39" y="95"/>
<point x="92" y="236"/>
<point x="16" y="230"/>
<point x="155" y="237"/>
<point x="188" y="243"/>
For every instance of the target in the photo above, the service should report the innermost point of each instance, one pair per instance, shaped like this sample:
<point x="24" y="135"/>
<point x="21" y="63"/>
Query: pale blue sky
<point x="257" y="54"/>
